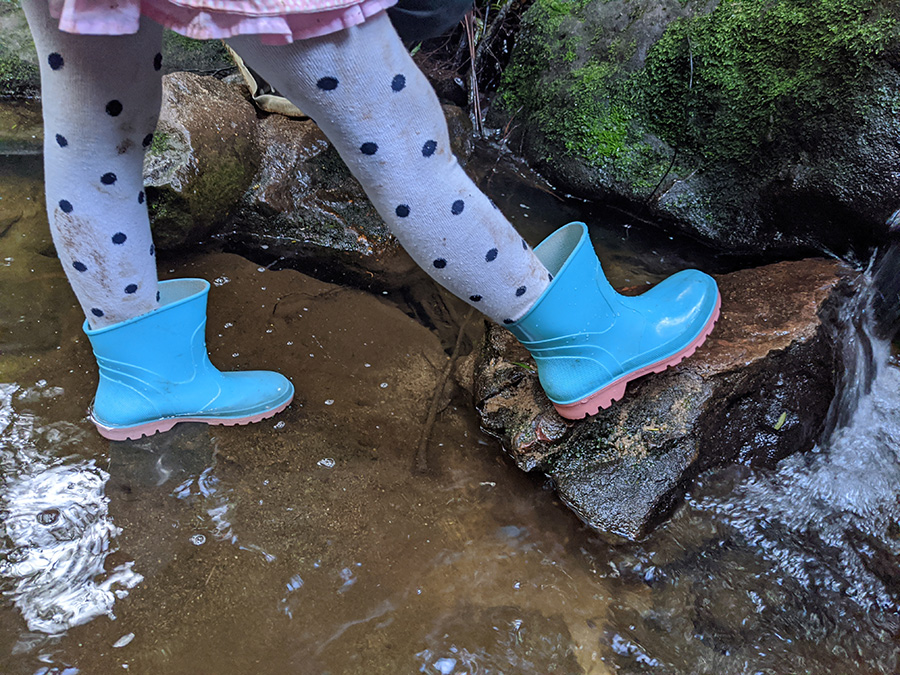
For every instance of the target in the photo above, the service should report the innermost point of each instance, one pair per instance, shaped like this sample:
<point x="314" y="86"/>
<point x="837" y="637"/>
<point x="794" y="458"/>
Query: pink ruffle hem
<point x="277" y="22"/>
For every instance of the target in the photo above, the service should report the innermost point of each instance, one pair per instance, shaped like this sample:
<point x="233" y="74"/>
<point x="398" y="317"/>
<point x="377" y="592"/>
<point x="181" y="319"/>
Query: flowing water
<point x="308" y="544"/>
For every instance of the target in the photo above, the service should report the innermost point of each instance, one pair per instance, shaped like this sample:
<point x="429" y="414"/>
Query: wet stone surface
<point x="758" y="390"/>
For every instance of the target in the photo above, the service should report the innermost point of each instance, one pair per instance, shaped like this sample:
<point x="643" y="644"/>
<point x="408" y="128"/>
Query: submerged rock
<point x="757" y="391"/>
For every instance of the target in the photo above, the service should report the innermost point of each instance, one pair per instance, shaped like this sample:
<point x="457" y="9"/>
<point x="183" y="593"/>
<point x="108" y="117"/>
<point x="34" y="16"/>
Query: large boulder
<point x="761" y="126"/>
<point x="202" y="159"/>
<point x="758" y="390"/>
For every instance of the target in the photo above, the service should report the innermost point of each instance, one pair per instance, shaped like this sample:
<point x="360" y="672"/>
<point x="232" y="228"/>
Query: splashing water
<point x="829" y="519"/>
<point x="56" y="528"/>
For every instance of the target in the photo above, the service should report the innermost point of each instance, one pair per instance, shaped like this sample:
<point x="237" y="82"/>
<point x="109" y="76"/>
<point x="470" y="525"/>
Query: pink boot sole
<point x="603" y="398"/>
<point x="151" y="428"/>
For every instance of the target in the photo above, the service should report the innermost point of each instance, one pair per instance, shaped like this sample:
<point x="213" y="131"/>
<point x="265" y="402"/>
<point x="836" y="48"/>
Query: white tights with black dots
<point x="101" y="98"/>
<point x="378" y="109"/>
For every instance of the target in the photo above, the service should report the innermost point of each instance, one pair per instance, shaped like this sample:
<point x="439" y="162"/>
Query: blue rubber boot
<point x="589" y="341"/>
<point x="155" y="372"/>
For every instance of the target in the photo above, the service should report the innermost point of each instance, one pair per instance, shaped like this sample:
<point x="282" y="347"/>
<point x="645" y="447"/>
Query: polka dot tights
<point x="101" y="98"/>
<point x="377" y="108"/>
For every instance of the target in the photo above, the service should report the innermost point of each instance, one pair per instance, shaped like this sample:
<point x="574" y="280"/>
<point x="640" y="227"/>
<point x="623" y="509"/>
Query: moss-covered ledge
<point x="717" y="115"/>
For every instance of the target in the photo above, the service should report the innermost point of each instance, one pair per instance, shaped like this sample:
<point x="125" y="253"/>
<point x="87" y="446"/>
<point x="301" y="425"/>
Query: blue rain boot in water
<point x="589" y="341"/>
<point x="155" y="372"/>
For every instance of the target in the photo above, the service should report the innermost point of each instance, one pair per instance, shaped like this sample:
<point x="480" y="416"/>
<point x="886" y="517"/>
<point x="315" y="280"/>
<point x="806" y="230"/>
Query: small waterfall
<point x="830" y="519"/>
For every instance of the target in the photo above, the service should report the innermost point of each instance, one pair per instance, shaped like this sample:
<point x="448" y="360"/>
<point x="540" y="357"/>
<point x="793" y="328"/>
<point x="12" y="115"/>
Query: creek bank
<point x="757" y="391"/>
<point x="758" y="126"/>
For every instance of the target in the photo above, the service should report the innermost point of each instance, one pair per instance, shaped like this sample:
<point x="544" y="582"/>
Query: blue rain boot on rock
<point x="589" y="341"/>
<point x="155" y="372"/>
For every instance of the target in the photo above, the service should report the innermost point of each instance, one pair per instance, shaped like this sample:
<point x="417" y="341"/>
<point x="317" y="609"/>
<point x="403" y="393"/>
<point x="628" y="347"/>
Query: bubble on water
<point x="326" y="463"/>
<point x="329" y="401"/>
<point x="123" y="641"/>
<point x="279" y="425"/>
<point x="383" y="385"/>
<point x="221" y="281"/>
<point x="198" y="539"/>
<point x="445" y="666"/>
<point x="368" y="365"/>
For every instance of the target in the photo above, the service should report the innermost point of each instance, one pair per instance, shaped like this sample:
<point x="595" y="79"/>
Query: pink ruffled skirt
<point x="275" y="21"/>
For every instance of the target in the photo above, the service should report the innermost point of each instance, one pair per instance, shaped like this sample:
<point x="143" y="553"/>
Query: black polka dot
<point x="429" y="148"/>
<point x="108" y="178"/>
<point x="549" y="276"/>
<point x="327" y="83"/>
<point x="96" y="312"/>
<point x="80" y="266"/>
<point x="55" y="60"/>
<point x="520" y="291"/>
<point x="148" y="139"/>
<point x="524" y="245"/>
<point x="65" y="205"/>
<point x="141" y="197"/>
<point x="131" y="288"/>
<point x="457" y="207"/>
<point x="402" y="211"/>
<point x="368" y="148"/>
<point x="508" y="321"/>
<point x="113" y="108"/>
<point x="157" y="62"/>
<point x="475" y="298"/>
<point x="491" y="255"/>
<point x="398" y="83"/>
<point x="119" y="238"/>
<point x="440" y="263"/>
<point x="493" y="204"/>
<point x="152" y="249"/>
<point x="61" y="140"/>
<point x="157" y="296"/>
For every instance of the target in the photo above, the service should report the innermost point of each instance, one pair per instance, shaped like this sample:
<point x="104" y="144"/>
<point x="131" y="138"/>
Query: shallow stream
<point x="310" y="544"/>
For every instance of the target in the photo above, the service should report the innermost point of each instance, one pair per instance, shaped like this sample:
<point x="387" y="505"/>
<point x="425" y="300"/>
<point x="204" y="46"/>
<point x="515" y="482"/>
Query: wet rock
<point x="758" y="390"/>
<point x="303" y="193"/>
<point x="759" y="128"/>
<point x="21" y="128"/>
<point x="202" y="158"/>
<point x="196" y="56"/>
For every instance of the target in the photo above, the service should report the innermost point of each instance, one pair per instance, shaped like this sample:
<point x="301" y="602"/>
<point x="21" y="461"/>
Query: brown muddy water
<point x="310" y="543"/>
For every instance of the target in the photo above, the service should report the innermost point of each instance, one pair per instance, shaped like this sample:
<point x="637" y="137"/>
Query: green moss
<point x="717" y="86"/>
<point x="756" y="71"/>
<point x="17" y="75"/>
<point x="160" y="143"/>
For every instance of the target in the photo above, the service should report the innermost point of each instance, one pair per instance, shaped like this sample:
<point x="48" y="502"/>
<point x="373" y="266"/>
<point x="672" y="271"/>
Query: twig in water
<point x="422" y="450"/>
<point x="474" y="95"/>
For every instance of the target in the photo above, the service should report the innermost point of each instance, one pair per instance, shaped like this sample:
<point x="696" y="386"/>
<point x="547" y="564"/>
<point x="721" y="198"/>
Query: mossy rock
<point x="760" y="125"/>
<point x="19" y="72"/>
<point x="202" y="159"/>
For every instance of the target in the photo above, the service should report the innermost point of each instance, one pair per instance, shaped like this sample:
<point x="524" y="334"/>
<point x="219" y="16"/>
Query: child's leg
<point x="101" y="98"/>
<point x="364" y="91"/>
